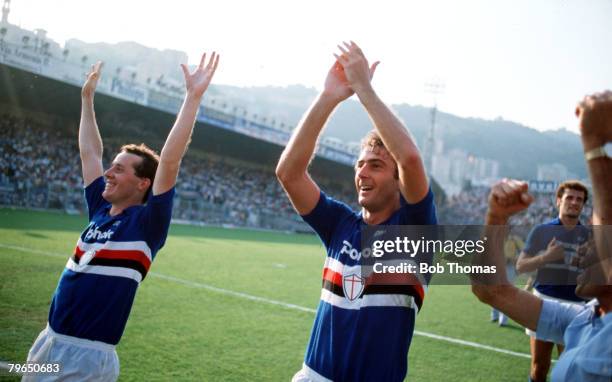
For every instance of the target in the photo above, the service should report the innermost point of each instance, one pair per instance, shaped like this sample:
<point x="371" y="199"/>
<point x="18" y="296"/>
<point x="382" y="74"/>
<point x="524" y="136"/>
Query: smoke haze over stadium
<point x="524" y="61"/>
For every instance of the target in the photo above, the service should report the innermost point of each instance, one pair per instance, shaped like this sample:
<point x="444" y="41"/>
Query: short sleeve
<point x="326" y="216"/>
<point x="93" y="196"/>
<point x="420" y="213"/>
<point x="157" y="215"/>
<point x="555" y="317"/>
<point x="533" y="243"/>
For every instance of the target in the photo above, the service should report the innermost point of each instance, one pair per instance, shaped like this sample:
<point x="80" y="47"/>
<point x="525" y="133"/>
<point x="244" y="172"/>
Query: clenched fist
<point x="507" y="197"/>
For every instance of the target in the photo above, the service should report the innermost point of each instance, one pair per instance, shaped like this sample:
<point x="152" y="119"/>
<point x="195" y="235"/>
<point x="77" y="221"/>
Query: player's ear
<point x="144" y="184"/>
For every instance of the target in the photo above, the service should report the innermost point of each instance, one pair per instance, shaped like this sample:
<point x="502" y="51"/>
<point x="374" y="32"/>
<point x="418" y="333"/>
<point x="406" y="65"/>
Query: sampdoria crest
<point x="352" y="284"/>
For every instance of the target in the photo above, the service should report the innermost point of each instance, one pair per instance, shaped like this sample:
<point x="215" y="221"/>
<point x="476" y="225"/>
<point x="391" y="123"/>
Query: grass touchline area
<point x="238" y="332"/>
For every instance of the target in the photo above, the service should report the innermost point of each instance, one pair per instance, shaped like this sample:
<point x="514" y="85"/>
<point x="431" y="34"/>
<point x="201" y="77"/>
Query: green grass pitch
<point x="182" y="329"/>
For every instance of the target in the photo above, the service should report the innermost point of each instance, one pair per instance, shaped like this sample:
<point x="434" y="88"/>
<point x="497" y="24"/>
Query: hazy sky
<point x="527" y="61"/>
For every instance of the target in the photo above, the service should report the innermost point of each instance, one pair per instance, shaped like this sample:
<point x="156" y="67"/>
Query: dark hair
<point x="572" y="185"/>
<point x="373" y="141"/>
<point x="147" y="166"/>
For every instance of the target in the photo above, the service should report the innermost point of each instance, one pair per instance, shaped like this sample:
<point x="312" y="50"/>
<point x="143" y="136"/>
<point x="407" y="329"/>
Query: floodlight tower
<point x="6" y="8"/>
<point x="436" y="88"/>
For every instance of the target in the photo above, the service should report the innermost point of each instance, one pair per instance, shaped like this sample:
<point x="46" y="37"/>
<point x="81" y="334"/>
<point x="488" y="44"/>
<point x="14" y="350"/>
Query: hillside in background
<point x="518" y="148"/>
<point x="128" y="58"/>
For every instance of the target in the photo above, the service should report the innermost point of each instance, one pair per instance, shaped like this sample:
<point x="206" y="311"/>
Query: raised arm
<point x="292" y="168"/>
<point x="507" y="198"/>
<point x="412" y="177"/>
<point x="175" y="147"/>
<point x="595" y="120"/>
<point x="90" y="142"/>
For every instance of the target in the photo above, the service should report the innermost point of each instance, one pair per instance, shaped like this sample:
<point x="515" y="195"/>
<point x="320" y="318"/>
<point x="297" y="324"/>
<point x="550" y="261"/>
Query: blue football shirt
<point x="361" y="332"/>
<point x="96" y="290"/>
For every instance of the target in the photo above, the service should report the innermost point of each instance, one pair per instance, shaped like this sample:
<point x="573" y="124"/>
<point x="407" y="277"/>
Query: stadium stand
<point x="469" y="207"/>
<point x="39" y="168"/>
<point x="221" y="182"/>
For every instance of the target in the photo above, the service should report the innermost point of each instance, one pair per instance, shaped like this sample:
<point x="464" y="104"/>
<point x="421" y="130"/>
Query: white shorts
<point x="79" y="359"/>
<point x="535" y="292"/>
<point x="306" y="374"/>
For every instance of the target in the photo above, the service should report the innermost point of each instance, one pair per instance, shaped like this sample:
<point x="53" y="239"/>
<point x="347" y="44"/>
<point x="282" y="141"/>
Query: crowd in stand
<point x="37" y="166"/>
<point x="40" y="168"/>
<point x="237" y="189"/>
<point x="469" y="208"/>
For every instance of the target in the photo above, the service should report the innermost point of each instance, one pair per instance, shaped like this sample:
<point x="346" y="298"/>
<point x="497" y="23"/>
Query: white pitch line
<point x="232" y="293"/>
<point x="35" y="251"/>
<point x="280" y="303"/>
<point x="472" y="344"/>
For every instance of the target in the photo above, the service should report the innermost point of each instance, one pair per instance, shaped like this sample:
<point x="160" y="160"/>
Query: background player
<point x="551" y="250"/>
<point x="585" y="330"/>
